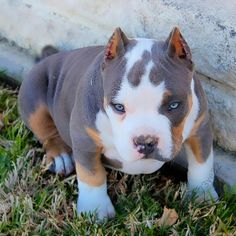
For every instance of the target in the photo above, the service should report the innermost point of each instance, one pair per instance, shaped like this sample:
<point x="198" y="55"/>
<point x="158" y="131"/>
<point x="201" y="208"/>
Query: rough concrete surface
<point x="222" y="107"/>
<point x="225" y="167"/>
<point x="13" y="61"/>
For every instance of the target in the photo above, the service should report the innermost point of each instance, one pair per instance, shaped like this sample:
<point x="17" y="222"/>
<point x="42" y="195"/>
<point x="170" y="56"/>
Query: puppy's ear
<point x="177" y="46"/>
<point x="116" y="44"/>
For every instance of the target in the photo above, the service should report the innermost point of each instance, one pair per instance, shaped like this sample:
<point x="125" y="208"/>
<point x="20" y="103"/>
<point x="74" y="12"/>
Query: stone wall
<point x="208" y="26"/>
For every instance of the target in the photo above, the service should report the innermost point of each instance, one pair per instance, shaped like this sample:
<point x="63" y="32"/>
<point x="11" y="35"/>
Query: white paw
<point x="95" y="200"/>
<point x="62" y="165"/>
<point x="102" y="207"/>
<point x="203" y="195"/>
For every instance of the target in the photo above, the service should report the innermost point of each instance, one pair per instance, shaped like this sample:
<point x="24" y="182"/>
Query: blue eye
<point x="118" y="107"/>
<point x="173" y="105"/>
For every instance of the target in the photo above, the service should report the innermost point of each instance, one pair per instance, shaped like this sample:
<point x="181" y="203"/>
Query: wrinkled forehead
<point x="146" y="59"/>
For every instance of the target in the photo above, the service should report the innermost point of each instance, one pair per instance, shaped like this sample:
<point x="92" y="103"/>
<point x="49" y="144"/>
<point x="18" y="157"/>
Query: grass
<point x="35" y="202"/>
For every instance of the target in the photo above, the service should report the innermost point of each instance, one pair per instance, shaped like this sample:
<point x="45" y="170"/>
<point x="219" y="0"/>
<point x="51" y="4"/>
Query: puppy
<point x="130" y="105"/>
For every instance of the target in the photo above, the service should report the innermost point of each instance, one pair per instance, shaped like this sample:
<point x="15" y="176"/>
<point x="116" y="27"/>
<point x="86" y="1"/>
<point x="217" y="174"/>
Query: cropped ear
<point x="116" y="44"/>
<point x="177" y="46"/>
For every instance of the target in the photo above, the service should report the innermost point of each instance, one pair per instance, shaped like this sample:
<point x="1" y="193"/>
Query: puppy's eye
<point x="173" y="105"/>
<point x="118" y="107"/>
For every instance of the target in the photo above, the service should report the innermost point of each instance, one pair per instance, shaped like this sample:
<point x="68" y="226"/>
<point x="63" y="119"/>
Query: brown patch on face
<point x="154" y="76"/>
<point x="138" y="69"/>
<point x="178" y="130"/>
<point x="166" y="96"/>
<point x="136" y="72"/>
<point x="95" y="177"/>
<point x="43" y="126"/>
<point x="195" y="145"/>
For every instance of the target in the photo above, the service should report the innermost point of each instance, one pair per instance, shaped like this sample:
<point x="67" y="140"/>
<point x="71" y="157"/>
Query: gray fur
<point x="138" y="70"/>
<point x="69" y="84"/>
<point x="73" y="86"/>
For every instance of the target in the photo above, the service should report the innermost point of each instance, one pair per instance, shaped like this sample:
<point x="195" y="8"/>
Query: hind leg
<point x="32" y="101"/>
<point x="58" y="153"/>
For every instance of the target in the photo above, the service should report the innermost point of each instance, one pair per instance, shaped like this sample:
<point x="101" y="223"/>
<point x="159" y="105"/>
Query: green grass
<point x="35" y="202"/>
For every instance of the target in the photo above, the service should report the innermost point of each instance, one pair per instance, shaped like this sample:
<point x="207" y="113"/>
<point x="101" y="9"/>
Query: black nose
<point x="145" y="144"/>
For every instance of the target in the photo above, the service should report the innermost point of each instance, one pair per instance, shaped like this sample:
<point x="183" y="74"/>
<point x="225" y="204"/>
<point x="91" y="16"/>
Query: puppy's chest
<point x="112" y="158"/>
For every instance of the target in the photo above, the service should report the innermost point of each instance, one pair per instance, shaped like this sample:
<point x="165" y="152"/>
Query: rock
<point x="14" y="61"/>
<point x="225" y="166"/>
<point x="222" y="107"/>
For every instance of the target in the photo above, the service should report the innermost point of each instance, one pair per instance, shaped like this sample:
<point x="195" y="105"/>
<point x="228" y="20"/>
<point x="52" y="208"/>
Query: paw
<point x="94" y="199"/>
<point x="103" y="208"/>
<point x="62" y="165"/>
<point x="203" y="195"/>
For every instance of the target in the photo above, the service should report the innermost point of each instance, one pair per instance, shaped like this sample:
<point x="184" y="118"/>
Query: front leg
<point x="200" y="170"/>
<point x="91" y="177"/>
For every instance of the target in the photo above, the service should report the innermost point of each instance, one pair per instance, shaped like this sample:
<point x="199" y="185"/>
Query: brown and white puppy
<point x="131" y="105"/>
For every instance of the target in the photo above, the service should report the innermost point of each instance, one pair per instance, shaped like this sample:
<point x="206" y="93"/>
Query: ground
<point x="35" y="202"/>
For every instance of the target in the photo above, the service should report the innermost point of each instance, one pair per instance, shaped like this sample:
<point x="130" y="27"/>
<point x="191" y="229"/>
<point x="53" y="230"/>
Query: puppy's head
<point x="147" y="94"/>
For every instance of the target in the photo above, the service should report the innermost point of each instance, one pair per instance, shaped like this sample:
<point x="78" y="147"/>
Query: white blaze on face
<point x="141" y="104"/>
<point x="136" y="53"/>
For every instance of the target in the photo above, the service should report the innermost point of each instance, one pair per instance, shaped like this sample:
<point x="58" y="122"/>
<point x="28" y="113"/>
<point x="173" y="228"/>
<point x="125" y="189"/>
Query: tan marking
<point x="177" y="137"/>
<point x="54" y="147"/>
<point x="43" y="126"/>
<point x="97" y="176"/>
<point x="195" y="145"/>
<point x="197" y="124"/>
<point x="94" y="135"/>
<point x="111" y="49"/>
<point x="178" y="130"/>
<point x="166" y="96"/>
<point x="194" y="141"/>
<point x="105" y="103"/>
<point x="178" y="43"/>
